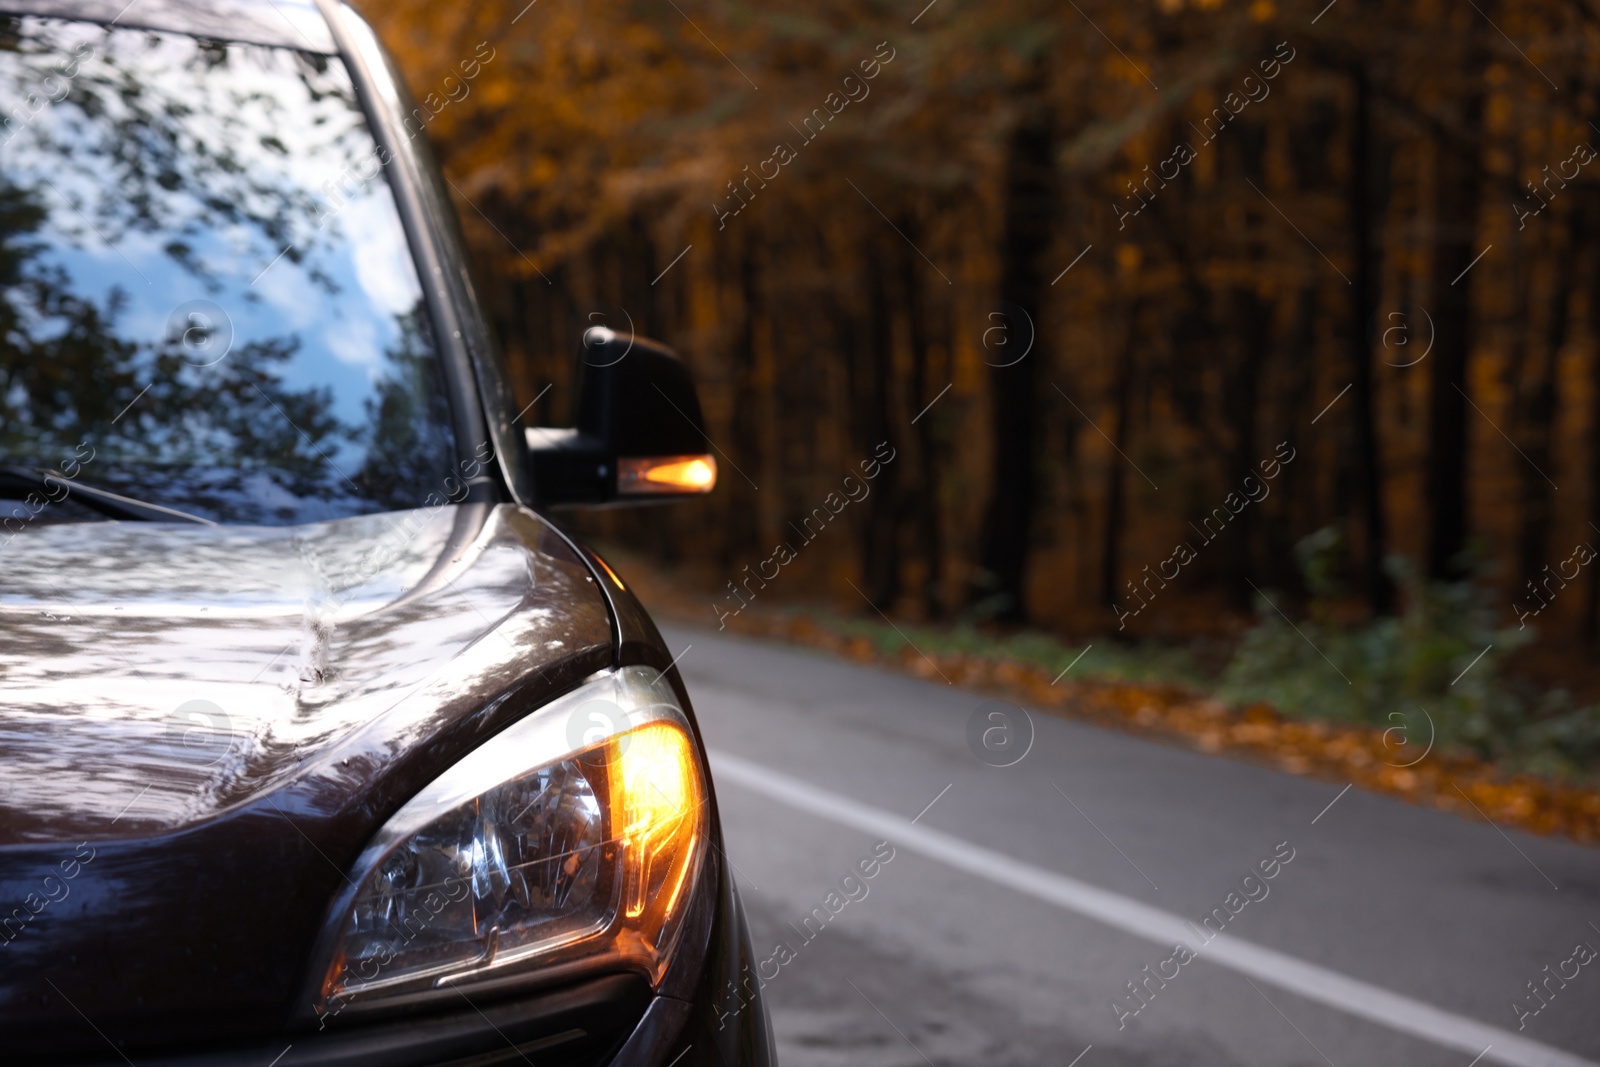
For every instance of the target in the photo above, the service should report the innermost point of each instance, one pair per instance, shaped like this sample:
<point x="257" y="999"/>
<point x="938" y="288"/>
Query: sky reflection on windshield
<point x="206" y="280"/>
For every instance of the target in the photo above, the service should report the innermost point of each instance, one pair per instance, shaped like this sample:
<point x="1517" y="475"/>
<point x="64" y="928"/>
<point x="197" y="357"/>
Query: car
<point x="321" y="743"/>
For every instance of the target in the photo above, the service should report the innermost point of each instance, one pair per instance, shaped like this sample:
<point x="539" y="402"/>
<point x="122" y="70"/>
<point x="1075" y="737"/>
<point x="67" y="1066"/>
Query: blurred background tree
<point x="1383" y="254"/>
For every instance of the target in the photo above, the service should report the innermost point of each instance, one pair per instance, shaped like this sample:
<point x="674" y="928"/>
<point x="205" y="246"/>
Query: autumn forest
<point x="1160" y="307"/>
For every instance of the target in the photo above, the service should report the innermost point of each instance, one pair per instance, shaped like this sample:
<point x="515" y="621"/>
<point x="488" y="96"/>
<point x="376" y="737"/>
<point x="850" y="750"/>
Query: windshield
<point x="208" y="300"/>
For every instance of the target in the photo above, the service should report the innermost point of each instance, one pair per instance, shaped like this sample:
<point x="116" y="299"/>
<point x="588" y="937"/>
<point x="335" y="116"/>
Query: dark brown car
<point x="319" y="744"/>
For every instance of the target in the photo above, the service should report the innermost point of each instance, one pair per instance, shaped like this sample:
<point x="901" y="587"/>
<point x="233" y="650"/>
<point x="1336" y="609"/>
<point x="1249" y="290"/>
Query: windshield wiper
<point x="58" y="487"/>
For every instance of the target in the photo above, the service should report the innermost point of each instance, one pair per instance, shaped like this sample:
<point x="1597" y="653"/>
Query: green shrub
<point x="1441" y="655"/>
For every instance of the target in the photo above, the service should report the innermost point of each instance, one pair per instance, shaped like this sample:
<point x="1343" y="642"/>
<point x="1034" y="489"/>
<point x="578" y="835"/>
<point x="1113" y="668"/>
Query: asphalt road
<point x="1018" y="907"/>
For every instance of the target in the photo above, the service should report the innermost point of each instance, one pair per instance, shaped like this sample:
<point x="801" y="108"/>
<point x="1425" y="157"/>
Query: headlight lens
<point x="576" y="832"/>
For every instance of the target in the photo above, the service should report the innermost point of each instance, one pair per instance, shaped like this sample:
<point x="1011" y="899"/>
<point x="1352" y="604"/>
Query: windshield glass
<point x="208" y="300"/>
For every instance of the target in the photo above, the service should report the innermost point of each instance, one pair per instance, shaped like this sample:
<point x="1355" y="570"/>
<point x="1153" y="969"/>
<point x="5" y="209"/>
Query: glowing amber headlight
<point x="666" y="474"/>
<point x="577" y="833"/>
<point x="655" y="800"/>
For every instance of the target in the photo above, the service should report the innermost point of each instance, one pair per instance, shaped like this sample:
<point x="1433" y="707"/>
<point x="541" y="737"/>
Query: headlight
<point x="576" y="833"/>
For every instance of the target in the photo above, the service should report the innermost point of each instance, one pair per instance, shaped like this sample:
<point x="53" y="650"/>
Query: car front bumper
<point x="610" y="1021"/>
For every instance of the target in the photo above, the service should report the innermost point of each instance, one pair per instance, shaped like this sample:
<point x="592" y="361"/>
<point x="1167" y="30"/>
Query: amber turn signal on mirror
<point x="664" y="475"/>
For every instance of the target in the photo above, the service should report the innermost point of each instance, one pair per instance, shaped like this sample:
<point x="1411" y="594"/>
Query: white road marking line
<point x="1308" y="980"/>
<point x="932" y="802"/>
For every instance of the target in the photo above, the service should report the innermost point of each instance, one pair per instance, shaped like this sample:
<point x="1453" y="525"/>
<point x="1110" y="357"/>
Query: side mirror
<point x="639" y="435"/>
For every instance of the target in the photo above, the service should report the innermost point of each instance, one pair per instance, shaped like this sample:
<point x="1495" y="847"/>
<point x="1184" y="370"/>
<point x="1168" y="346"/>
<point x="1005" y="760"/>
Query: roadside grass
<point x="1420" y="705"/>
<point x="1100" y="660"/>
<point x="1432" y="676"/>
<point x="1439" y="664"/>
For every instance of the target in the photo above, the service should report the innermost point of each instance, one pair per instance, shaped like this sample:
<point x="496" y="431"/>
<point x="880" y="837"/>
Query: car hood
<point x="235" y="710"/>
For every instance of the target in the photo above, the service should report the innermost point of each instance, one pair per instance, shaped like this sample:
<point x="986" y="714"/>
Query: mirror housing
<point x="639" y="438"/>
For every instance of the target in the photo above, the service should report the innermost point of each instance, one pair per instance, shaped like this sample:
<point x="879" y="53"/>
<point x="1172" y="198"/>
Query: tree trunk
<point x="1030" y="207"/>
<point x="1255" y="329"/>
<point x="880" y="548"/>
<point x="1366" y="209"/>
<point x="1117" y="483"/>
<point x="743" y="517"/>
<point x="1455" y="215"/>
<point x="1537" y="403"/>
<point x="1591" y="608"/>
<point x="924" y="389"/>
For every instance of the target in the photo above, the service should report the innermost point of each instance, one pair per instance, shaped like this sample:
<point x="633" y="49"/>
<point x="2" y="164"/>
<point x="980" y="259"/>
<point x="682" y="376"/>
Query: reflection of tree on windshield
<point x="182" y="156"/>
<point x="65" y="374"/>
<point x="173" y="170"/>
<point x="406" y="419"/>
<point x="63" y="367"/>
